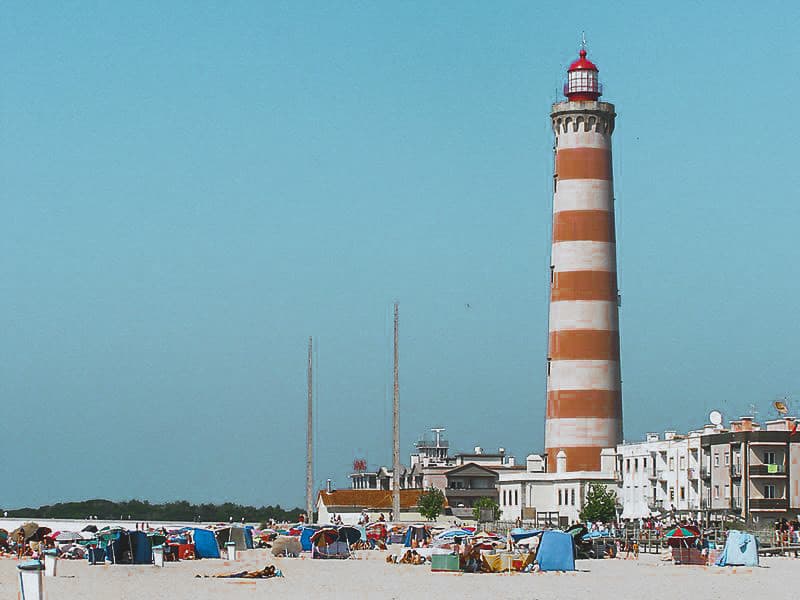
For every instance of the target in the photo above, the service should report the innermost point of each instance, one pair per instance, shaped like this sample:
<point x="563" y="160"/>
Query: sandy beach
<point x="371" y="577"/>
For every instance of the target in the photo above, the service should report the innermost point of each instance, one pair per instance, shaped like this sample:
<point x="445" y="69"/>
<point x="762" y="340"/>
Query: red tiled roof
<point x="378" y="499"/>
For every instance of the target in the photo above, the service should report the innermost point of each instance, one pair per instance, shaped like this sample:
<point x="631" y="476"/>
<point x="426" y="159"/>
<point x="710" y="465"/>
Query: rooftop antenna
<point x="583" y="40"/>
<point x="438" y="432"/>
<point x="753" y="412"/>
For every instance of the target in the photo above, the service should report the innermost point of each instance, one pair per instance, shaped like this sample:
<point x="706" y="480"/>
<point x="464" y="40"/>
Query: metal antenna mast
<point x="310" y="436"/>
<point x="396" y="425"/>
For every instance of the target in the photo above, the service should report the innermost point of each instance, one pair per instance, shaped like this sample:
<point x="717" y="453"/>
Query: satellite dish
<point x="715" y="417"/>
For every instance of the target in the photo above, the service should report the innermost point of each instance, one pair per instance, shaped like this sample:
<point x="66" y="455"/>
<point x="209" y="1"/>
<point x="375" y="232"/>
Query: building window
<point x="727" y="490"/>
<point x="716" y="491"/>
<point x="504" y="498"/>
<point x="572" y="497"/>
<point x="716" y="459"/>
<point x="671" y="463"/>
<point x="635" y="464"/>
<point x="559" y="497"/>
<point x="727" y="459"/>
<point x="628" y="465"/>
<point x="683" y="493"/>
<point x="769" y="491"/>
<point x="769" y="458"/>
<point x="644" y="464"/>
<point x="671" y="494"/>
<point x="683" y="463"/>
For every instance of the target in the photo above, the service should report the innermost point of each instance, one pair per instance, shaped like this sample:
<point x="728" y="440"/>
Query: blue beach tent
<point x="556" y="552"/>
<point x="305" y="537"/>
<point x="416" y="532"/>
<point x="741" y="549"/>
<point x="205" y="544"/>
<point x="248" y="537"/>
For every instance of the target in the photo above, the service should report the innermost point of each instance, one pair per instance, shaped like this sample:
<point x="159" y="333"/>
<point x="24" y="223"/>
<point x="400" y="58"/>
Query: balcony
<point x="769" y="504"/>
<point x="705" y="472"/>
<point x="768" y="470"/>
<point x="736" y="471"/>
<point x="736" y="503"/>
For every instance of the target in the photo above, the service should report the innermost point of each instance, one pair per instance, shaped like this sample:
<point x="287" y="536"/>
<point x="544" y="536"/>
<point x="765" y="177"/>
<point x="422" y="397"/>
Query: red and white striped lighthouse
<point x="584" y="401"/>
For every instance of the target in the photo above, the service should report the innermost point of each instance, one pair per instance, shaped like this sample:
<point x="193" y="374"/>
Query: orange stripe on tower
<point x="583" y="225"/>
<point x="584" y="344"/>
<point x="584" y="285"/>
<point x="579" y="458"/>
<point x="583" y="163"/>
<point x="568" y="404"/>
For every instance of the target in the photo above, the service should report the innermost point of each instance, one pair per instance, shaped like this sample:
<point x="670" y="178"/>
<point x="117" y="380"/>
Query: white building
<point x="661" y="475"/>
<point x="551" y="497"/>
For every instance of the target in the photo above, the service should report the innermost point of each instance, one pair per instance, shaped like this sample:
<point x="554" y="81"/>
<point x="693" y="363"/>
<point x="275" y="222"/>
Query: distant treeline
<point x="142" y="510"/>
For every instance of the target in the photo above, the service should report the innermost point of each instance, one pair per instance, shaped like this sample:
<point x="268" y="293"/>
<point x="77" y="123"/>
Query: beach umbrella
<point x="453" y="533"/>
<point x="40" y="534"/>
<point x="29" y="529"/>
<point x="376" y="531"/>
<point x="324" y="537"/>
<point x="681" y="532"/>
<point x="348" y="534"/>
<point x="90" y="528"/>
<point x="680" y="536"/>
<point x="68" y="536"/>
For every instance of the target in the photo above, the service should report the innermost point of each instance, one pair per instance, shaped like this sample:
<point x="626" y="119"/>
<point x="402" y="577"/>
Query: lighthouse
<point x="584" y="400"/>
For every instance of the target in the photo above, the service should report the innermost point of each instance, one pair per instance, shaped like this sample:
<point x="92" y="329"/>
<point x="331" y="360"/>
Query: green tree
<point x="600" y="504"/>
<point x="431" y="503"/>
<point x="485" y="503"/>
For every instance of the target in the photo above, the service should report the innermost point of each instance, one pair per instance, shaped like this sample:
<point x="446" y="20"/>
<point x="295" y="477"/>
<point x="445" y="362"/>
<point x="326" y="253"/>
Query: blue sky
<point x="189" y="191"/>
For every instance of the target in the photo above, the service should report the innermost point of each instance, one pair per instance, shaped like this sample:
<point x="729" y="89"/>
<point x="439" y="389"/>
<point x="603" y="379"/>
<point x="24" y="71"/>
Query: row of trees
<point x="600" y="505"/>
<point x="142" y="510"/>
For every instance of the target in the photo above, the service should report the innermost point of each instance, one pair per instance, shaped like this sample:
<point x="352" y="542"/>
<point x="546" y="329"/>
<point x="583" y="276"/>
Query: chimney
<point x="328" y="487"/>
<point x="478" y="450"/>
<point x="608" y="460"/>
<point x="561" y="462"/>
<point x="535" y="463"/>
<point x="651" y="437"/>
<point x="747" y="423"/>
<point x="669" y="435"/>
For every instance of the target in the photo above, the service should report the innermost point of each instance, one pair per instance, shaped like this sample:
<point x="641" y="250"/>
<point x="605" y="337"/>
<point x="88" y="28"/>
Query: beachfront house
<point x="351" y="504"/>
<point x="555" y="497"/>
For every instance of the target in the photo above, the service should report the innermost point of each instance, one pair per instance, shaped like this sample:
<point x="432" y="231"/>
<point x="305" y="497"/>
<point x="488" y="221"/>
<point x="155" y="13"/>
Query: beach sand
<point x="371" y="577"/>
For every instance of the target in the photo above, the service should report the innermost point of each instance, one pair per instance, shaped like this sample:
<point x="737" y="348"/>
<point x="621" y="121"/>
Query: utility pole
<point x="396" y="426"/>
<point x="310" y="436"/>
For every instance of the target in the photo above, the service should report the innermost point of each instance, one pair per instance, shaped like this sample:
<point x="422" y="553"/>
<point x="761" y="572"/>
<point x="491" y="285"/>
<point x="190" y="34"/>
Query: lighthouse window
<point x="548" y="366"/>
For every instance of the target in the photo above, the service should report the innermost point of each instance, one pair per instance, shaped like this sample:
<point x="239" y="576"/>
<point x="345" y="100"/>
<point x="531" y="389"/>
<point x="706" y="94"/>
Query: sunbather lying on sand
<point x="265" y="573"/>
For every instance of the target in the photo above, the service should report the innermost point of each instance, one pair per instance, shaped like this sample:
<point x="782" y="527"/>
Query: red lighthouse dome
<point x="582" y="82"/>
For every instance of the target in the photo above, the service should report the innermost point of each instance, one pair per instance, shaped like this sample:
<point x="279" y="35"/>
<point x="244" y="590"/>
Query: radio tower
<point x="396" y="423"/>
<point x="310" y="436"/>
<point x="584" y="401"/>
